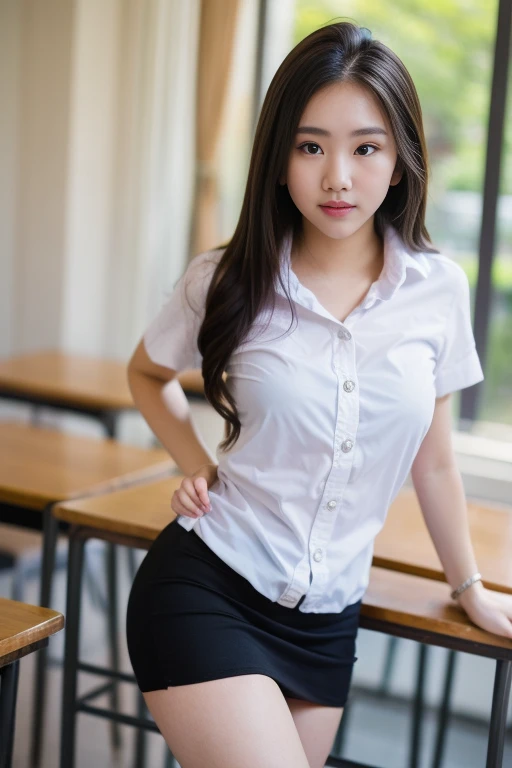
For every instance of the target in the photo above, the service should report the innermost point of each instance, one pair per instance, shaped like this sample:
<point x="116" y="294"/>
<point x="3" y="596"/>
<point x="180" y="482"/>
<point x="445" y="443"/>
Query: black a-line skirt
<point x="191" y="618"/>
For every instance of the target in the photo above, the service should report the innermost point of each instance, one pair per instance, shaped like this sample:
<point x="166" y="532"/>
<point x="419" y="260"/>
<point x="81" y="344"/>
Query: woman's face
<point x="344" y="151"/>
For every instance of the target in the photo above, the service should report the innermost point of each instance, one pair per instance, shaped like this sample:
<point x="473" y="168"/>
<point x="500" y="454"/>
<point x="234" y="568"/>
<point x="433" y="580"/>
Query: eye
<point x="310" y="144"/>
<point x="367" y="146"/>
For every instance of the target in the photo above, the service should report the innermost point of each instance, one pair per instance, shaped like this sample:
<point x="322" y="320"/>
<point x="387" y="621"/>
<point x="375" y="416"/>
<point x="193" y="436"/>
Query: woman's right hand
<point x="191" y="499"/>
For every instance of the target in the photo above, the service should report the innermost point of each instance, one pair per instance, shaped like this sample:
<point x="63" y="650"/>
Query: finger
<point x="505" y="629"/>
<point x="186" y="503"/>
<point x="188" y="486"/>
<point x="503" y="603"/>
<point x="201" y="487"/>
<point x="501" y="625"/>
<point x="505" y="625"/>
<point x="179" y="509"/>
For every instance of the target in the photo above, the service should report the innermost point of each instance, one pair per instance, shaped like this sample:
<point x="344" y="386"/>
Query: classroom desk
<point x="137" y="515"/>
<point x="39" y="467"/>
<point x="23" y="630"/>
<point x="92" y="386"/>
<point x="404" y="544"/>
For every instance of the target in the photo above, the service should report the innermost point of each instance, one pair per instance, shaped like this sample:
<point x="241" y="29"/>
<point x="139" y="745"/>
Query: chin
<point x="337" y="230"/>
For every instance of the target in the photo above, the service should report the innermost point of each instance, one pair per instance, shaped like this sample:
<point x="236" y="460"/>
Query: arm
<point x="440" y="492"/>
<point x="160" y="399"/>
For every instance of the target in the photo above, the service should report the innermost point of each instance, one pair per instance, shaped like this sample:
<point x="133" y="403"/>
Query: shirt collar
<point x="398" y="262"/>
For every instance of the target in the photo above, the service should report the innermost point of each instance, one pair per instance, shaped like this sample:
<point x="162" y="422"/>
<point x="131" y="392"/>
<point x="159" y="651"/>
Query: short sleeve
<point x="458" y="365"/>
<point x="171" y="338"/>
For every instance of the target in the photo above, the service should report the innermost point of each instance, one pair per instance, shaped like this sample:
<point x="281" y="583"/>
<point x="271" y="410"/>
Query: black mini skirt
<point x="191" y="618"/>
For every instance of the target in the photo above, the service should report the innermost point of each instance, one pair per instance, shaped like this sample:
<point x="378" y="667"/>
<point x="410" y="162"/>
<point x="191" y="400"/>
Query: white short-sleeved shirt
<point x="332" y="416"/>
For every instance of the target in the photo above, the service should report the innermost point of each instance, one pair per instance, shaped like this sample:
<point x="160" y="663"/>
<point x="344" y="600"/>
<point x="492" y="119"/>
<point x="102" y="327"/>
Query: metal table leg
<point x="140" y="735"/>
<point x="388" y="665"/>
<point x="50" y="533"/>
<point x="109" y="419"/>
<point x="414" y="757"/>
<point x="71" y="650"/>
<point x="443" y="717"/>
<point x="113" y="633"/>
<point x="8" y="692"/>
<point x="500" y="697"/>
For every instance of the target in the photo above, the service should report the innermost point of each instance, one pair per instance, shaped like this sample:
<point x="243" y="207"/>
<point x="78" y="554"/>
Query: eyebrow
<point x="372" y="129"/>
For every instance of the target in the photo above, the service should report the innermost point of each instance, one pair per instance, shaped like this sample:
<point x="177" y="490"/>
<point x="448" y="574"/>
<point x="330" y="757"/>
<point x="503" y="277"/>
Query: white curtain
<point x="154" y="162"/>
<point x="98" y="111"/>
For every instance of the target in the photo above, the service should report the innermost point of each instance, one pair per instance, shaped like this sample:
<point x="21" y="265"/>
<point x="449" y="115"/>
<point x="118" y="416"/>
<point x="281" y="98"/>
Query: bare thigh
<point x="227" y="723"/>
<point x="317" y="726"/>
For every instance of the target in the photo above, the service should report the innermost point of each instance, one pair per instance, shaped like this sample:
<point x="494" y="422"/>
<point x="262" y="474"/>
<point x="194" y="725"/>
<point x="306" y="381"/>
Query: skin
<point x="356" y="169"/>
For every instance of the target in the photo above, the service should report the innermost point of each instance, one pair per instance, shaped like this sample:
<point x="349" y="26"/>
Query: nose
<point x="338" y="175"/>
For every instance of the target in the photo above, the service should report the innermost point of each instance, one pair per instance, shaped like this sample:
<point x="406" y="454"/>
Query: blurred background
<point x="125" y="136"/>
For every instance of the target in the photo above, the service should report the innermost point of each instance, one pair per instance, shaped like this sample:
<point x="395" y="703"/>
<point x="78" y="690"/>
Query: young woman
<point x="342" y="332"/>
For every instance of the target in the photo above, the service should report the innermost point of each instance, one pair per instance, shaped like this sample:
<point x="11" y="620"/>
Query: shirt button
<point x="344" y="334"/>
<point x="318" y="555"/>
<point x="331" y="504"/>
<point x="347" y="446"/>
<point x="348" y="385"/>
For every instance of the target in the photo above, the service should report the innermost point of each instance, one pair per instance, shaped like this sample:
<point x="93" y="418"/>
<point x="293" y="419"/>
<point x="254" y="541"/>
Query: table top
<point x="76" y="380"/>
<point x="39" y="466"/>
<point x="418" y="603"/>
<point x="22" y="625"/>
<point x="140" y="511"/>
<point x="424" y="607"/>
<point x="404" y="544"/>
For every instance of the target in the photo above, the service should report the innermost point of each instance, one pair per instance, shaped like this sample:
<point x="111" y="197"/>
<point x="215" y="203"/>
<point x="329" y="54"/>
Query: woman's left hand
<point x="491" y="611"/>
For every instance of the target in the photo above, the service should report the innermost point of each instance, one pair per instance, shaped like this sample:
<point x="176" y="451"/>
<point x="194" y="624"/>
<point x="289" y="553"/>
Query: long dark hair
<point x="244" y="280"/>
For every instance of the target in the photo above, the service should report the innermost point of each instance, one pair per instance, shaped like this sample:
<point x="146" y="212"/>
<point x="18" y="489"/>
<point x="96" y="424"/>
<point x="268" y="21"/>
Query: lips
<point x="337" y="211"/>
<point x="334" y="204"/>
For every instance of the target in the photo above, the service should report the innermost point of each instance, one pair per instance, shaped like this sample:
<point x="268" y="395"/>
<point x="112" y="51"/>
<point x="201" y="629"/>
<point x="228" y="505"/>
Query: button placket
<point x="348" y="408"/>
<point x="345" y="428"/>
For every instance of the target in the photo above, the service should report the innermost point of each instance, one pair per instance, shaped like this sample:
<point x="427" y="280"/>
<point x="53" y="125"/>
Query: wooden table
<point x="405" y="545"/>
<point x="395" y="603"/>
<point x="89" y="385"/>
<point x="23" y="630"/>
<point x="39" y="467"/>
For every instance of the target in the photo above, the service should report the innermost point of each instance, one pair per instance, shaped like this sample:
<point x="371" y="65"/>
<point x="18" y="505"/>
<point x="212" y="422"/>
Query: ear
<point x="282" y="181"/>
<point x="397" y="173"/>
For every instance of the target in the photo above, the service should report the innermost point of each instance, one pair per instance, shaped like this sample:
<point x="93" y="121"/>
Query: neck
<point x="358" y="254"/>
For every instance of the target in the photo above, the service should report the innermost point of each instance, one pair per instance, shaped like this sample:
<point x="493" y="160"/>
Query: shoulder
<point x="447" y="272"/>
<point x="198" y="275"/>
<point x="202" y="266"/>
